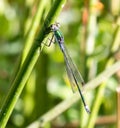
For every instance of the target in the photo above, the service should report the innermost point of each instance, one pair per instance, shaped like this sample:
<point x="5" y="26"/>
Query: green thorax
<point x="58" y="34"/>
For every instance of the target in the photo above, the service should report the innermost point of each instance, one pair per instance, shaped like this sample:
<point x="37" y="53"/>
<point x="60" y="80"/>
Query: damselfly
<point x="74" y="76"/>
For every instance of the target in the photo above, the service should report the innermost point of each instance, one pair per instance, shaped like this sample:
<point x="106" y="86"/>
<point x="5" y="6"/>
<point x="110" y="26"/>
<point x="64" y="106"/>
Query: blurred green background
<point x="91" y="30"/>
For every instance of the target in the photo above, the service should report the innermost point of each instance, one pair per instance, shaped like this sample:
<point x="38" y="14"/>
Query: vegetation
<point x="34" y="88"/>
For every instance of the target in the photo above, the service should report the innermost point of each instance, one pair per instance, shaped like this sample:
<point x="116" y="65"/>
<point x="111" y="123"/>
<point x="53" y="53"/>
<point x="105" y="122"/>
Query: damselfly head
<point x="55" y="26"/>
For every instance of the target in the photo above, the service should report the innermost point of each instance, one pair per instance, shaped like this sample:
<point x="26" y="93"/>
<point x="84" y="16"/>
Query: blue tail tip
<point x="87" y="109"/>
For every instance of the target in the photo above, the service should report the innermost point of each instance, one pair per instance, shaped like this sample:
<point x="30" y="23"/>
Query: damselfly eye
<point x="52" y="27"/>
<point x="58" y="25"/>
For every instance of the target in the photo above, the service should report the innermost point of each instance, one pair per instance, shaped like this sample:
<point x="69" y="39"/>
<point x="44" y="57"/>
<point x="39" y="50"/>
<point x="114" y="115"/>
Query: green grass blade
<point x="26" y="68"/>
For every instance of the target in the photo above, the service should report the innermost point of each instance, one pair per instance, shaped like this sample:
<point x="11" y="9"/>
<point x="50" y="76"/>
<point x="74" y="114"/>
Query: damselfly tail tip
<point x="87" y="109"/>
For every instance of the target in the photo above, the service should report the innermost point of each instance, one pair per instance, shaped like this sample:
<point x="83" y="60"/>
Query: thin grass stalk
<point x="118" y="107"/>
<point x="96" y="106"/>
<point x="90" y="71"/>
